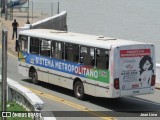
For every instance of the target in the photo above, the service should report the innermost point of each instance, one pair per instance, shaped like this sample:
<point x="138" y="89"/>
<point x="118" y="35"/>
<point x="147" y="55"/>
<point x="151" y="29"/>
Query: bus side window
<point x="53" y="46"/>
<point x="45" y="47"/>
<point x="102" y="58"/>
<point x="86" y="55"/>
<point x="69" y="52"/>
<point x="75" y="53"/>
<point x="72" y="52"/>
<point x="92" y="54"/>
<point x="83" y="51"/>
<point x="107" y="58"/>
<point x="34" y="45"/>
<point x="57" y="50"/>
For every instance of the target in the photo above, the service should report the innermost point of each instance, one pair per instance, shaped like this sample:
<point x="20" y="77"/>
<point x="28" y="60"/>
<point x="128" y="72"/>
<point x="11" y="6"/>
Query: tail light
<point x="116" y="83"/>
<point x="153" y="80"/>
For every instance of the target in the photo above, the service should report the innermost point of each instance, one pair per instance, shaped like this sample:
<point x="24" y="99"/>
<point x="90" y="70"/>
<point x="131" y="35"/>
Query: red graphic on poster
<point x="134" y="53"/>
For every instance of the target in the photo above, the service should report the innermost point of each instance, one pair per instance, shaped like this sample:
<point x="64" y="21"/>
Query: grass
<point x="13" y="107"/>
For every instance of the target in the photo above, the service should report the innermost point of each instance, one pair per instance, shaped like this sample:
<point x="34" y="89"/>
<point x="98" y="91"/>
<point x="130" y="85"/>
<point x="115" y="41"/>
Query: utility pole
<point x="52" y="9"/>
<point x="6" y="9"/>
<point x="58" y="8"/>
<point x="32" y="10"/>
<point x="3" y="6"/>
<point x="4" y="70"/>
<point x="28" y="14"/>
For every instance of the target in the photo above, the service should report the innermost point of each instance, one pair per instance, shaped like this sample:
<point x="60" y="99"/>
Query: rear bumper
<point x="137" y="91"/>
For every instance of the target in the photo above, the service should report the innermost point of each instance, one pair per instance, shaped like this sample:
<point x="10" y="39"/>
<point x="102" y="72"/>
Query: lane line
<point x="12" y="55"/>
<point x="74" y="105"/>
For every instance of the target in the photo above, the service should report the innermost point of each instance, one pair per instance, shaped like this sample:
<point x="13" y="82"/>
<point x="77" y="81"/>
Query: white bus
<point x="87" y="64"/>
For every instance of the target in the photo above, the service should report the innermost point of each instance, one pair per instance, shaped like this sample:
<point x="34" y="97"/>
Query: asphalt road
<point x="60" y="99"/>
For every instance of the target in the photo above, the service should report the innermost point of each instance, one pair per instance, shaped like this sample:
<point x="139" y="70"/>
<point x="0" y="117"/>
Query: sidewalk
<point x="21" y="18"/>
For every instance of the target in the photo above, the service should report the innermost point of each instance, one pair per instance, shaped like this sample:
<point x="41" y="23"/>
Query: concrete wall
<point x="57" y="22"/>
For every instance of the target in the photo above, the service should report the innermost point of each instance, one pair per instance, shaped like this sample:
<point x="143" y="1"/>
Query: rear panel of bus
<point x="134" y="70"/>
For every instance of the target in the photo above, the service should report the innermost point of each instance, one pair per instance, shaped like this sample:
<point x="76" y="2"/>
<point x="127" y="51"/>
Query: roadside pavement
<point x="21" y="18"/>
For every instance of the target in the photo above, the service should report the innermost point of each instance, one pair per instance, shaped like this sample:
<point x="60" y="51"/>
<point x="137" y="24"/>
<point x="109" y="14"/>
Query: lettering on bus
<point x="134" y="53"/>
<point x="86" y="71"/>
<point x="71" y="68"/>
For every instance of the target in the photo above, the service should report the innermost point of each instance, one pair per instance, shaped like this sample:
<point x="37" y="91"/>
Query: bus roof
<point x="78" y="38"/>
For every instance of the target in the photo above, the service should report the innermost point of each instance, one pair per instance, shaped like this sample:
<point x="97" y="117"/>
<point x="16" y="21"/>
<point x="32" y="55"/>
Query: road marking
<point x="12" y="55"/>
<point x="9" y="53"/>
<point x="74" y="105"/>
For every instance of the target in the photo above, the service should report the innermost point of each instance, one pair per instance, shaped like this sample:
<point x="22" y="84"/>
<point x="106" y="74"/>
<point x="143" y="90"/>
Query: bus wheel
<point x="35" y="77"/>
<point x="79" y="90"/>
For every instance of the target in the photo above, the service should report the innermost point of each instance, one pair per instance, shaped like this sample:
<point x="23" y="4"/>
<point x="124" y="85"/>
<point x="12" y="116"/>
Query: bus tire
<point x="79" y="90"/>
<point x="35" y="77"/>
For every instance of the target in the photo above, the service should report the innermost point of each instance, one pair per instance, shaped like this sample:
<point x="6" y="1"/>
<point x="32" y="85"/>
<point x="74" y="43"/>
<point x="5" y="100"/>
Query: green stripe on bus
<point x="103" y="76"/>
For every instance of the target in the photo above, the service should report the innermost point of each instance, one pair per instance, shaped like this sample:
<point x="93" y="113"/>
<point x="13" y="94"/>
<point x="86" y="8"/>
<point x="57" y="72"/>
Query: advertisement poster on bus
<point x="136" y="68"/>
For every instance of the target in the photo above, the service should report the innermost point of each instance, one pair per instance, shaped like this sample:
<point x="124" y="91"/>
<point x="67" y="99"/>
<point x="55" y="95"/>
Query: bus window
<point x="72" y="52"/>
<point x="45" y="47"/>
<point x="75" y="53"/>
<point x="34" y="45"/>
<point x="87" y="55"/>
<point x="92" y="54"/>
<point x="23" y="43"/>
<point x="57" y="50"/>
<point x="53" y="46"/>
<point x="102" y="58"/>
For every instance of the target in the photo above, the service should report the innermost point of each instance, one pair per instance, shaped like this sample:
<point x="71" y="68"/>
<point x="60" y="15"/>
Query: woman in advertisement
<point x="146" y="71"/>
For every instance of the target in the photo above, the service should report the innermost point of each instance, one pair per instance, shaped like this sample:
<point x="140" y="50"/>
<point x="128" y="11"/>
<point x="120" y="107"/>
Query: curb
<point x="12" y="52"/>
<point x="34" y="100"/>
<point x="26" y="98"/>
